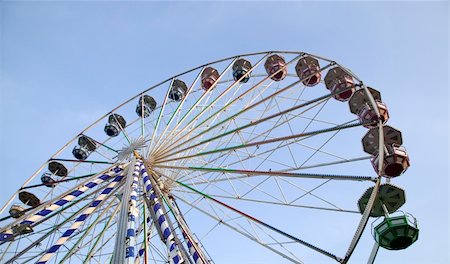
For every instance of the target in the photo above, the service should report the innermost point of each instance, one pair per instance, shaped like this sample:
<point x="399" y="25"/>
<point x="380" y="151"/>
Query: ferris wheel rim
<point x="191" y="70"/>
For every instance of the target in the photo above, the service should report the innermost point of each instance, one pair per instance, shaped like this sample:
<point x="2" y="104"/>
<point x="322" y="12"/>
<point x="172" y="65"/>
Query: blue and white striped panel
<point x="133" y="213"/>
<point x="193" y="252"/>
<point x="7" y="234"/>
<point x="79" y="221"/>
<point x="168" y="237"/>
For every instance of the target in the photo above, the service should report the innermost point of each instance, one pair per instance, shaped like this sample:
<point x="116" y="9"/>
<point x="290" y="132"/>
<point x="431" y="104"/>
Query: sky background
<point x="64" y="64"/>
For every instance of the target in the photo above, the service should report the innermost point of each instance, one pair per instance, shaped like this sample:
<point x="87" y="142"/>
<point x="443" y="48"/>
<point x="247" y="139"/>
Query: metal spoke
<point x="170" y="135"/>
<point x="214" y="101"/>
<point x="274" y="173"/>
<point x="326" y="253"/>
<point x="247" y="109"/>
<point x="279" y="139"/>
<point x="239" y="231"/>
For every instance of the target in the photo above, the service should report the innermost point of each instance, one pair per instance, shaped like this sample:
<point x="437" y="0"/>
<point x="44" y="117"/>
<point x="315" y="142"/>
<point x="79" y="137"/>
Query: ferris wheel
<point x="276" y="151"/>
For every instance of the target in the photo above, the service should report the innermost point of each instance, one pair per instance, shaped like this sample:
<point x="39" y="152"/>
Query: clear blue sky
<point x="63" y="64"/>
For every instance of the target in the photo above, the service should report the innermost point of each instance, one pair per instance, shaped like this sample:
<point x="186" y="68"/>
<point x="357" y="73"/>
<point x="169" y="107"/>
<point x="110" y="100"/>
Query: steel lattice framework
<point x="261" y="144"/>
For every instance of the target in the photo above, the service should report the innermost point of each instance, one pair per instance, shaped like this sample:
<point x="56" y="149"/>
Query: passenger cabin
<point x="116" y="123"/>
<point x="29" y="199"/>
<point x="47" y="180"/>
<point x="274" y="66"/>
<point x="145" y="106"/>
<point x="209" y="78"/>
<point x="21" y="229"/>
<point x="395" y="162"/>
<point x="340" y="84"/>
<point x="16" y="211"/>
<point x="361" y="106"/>
<point x="370" y="140"/>
<point x="178" y="90"/>
<point x="86" y="146"/>
<point x="397" y="231"/>
<point x="389" y="199"/>
<point x="55" y="169"/>
<point x="308" y="70"/>
<point x="240" y="68"/>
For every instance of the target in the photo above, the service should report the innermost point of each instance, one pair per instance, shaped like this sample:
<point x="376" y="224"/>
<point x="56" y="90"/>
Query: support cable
<point x="326" y="253"/>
